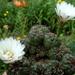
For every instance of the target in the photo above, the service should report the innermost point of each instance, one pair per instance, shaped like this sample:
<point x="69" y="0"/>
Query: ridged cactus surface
<point x="35" y="37"/>
<point x="42" y="28"/>
<point x="50" y="41"/>
<point x="68" y="62"/>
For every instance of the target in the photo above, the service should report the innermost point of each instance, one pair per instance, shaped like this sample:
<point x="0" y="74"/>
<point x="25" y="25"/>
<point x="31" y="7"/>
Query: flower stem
<point x="59" y="30"/>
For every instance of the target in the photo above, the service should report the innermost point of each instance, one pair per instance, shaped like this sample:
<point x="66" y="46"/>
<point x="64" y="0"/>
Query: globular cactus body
<point x="39" y="67"/>
<point x="42" y="28"/>
<point x="58" y="52"/>
<point x="50" y="41"/>
<point x="55" y="67"/>
<point x="35" y="37"/>
<point x="68" y="62"/>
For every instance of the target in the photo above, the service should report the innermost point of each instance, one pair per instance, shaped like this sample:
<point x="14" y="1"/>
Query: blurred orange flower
<point x="19" y="4"/>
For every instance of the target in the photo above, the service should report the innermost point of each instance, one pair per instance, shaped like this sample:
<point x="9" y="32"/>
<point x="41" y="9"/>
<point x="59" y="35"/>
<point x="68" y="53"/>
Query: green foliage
<point x="3" y="67"/>
<point x="69" y="41"/>
<point x="20" y="19"/>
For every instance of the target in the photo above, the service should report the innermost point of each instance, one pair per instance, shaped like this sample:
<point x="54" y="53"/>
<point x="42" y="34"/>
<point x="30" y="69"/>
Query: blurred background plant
<point x="20" y="19"/>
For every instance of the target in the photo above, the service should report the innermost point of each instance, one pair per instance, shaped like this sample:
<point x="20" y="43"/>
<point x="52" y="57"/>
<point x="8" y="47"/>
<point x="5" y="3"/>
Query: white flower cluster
<point x="11" y="50"/>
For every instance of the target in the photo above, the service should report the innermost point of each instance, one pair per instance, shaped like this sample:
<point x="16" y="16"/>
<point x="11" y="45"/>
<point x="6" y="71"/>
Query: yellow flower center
<point x="8" y="54"/>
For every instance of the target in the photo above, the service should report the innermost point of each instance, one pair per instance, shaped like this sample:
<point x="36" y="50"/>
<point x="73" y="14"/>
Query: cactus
<point x="65" y="50"/>
<point x="32" y="50"/>
<point x="42" y="54"/>
<point x="26" y="42"/>
<point x="35" y="37"/>
<point x="68" y="62"/>
<point x="42" y="28"/>
<point x="55" y="53"/>
<point x="50" y="41"/>
<point x="58" y="53"/>
<point x="45" y="55"/>
<point x="39" y="67"/>
<point x="39" y="48"/>
<point x="55" y="67"/>
<point x="20" y="68"/>
<point x="40" y="51"/>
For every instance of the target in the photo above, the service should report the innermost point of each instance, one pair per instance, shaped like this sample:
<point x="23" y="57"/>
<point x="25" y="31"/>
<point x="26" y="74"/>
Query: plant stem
<point x="59" y="30"/>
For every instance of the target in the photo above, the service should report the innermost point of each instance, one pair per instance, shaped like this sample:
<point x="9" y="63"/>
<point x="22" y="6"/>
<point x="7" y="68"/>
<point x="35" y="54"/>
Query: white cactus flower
<point x="65" y="11"/>
<point x="11" y="50"/>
